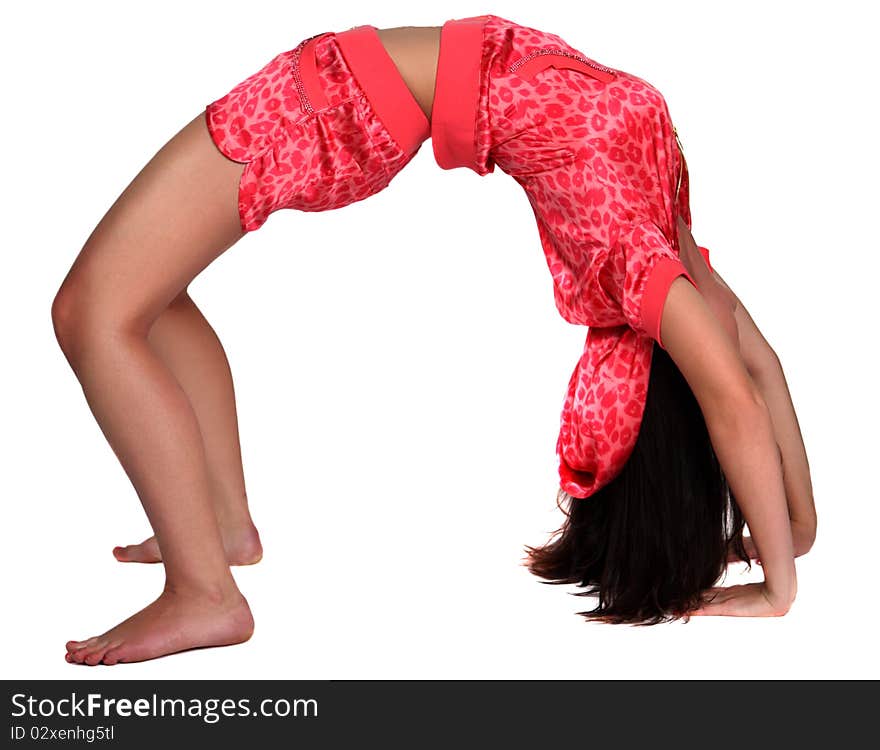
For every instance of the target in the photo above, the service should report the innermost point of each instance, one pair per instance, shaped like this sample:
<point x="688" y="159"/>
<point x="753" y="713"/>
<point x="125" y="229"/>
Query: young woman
<point x="677" y="393"/>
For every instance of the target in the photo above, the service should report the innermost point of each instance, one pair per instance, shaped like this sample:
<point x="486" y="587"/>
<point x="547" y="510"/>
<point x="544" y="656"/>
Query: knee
<point x="87" y="314"/>
<point x="83" y="320"/>
<point x="70" y="318"/>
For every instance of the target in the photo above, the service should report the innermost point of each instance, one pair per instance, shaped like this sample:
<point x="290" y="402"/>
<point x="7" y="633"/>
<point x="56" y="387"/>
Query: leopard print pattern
<point x="600" y="166"/>
<point x="296" y="156"/>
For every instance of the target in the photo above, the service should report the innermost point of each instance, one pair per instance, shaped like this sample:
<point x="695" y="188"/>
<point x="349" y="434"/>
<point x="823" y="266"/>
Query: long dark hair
<point x="659" y="534"/>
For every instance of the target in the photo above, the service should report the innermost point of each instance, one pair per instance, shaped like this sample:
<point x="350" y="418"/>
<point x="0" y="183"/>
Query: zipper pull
<point x="681" y="165"/>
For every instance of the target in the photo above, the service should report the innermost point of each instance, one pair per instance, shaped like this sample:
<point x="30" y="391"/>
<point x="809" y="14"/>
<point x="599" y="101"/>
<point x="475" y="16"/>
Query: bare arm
<point x="766" y="371"/>
<point x="741" y="431"/>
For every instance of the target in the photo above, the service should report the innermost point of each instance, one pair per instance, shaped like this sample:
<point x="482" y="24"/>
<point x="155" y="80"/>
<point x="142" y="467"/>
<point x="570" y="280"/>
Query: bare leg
<point x="187" y="344"/>
<point x="177" y="215"/>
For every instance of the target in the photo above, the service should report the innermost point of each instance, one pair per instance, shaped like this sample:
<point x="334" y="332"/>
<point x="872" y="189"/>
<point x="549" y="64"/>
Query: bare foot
<point x="242" y="547"/>
<point x="174" y="622"/>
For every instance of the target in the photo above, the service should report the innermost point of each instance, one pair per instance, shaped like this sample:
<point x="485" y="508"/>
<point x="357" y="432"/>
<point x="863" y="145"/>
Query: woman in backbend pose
<point x="676" y="395"/>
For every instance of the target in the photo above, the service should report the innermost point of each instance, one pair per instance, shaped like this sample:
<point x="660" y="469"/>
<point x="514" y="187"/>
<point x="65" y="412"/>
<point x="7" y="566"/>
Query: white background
<point x="400" y="366"/>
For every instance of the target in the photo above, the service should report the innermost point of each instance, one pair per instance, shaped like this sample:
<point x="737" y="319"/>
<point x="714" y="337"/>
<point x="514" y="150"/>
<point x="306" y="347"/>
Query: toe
<point x="128" y="553"/>
<point x="74" y="646"/>
<point x="78" y="656"/>
<point x="92" y="645"/>
<point x="96" y="653"/>
<point x="145" y="552"/>
<point x="114" y="655"/>
<point x="94" y="657"/>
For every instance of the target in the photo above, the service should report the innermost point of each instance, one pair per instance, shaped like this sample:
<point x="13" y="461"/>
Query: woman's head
<point x="656" y="536"/>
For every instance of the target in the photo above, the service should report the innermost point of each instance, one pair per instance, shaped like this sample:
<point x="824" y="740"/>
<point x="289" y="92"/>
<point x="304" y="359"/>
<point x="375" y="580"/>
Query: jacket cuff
<point x="664" y="272"/>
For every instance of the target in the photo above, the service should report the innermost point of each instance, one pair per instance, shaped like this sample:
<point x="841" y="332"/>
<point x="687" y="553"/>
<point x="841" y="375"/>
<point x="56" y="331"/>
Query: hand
<point x="743" y="600"/>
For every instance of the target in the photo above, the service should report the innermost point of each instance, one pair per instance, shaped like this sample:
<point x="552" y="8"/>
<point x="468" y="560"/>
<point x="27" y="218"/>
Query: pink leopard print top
<point x="596" y="152"/>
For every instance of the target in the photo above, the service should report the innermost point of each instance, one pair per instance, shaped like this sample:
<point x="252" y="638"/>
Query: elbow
<point x="742" y="410"/>
<point x="803" y="532"/>
<point x="763" y="363"/>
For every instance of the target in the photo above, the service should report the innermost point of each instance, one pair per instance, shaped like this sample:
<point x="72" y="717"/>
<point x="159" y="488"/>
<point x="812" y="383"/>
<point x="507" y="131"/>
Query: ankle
<point x="235" y="520"/>
<point x="218" y="592"/>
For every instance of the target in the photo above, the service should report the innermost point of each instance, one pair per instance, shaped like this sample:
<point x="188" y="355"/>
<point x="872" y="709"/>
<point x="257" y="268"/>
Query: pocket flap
<point x="531" y="67"/>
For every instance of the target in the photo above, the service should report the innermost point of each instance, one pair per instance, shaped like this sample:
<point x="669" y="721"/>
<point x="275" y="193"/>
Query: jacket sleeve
<point x="607" y="391"/>
<point x="644" y="264"/>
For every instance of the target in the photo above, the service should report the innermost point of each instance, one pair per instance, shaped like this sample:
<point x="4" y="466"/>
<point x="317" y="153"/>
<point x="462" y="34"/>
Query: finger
<point x="712" y="608"/>
<point x="715" y="601"/>
<point x="711" y="599"/>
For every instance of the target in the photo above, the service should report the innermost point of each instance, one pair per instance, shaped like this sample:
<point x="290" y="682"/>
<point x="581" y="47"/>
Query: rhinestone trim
<point x="297" y="78"/>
